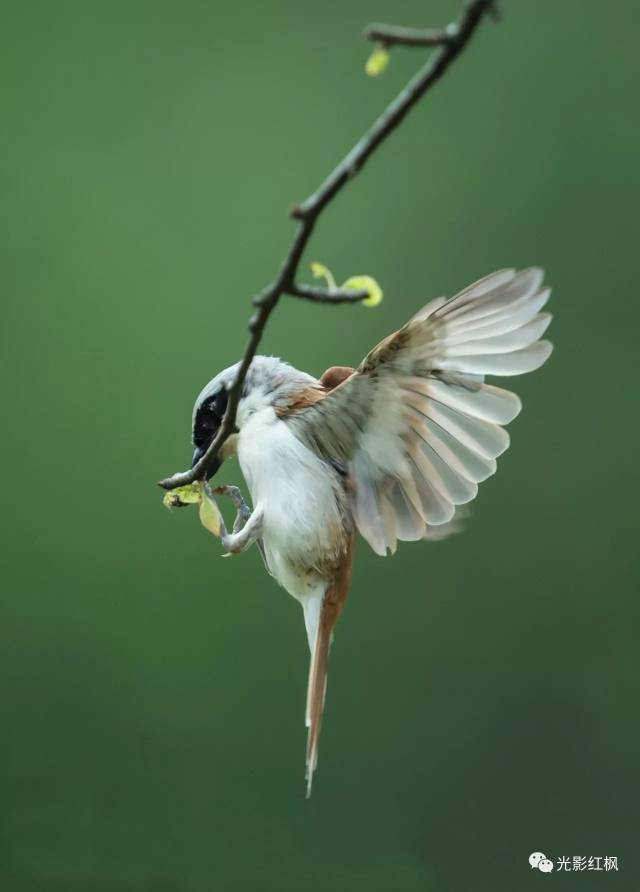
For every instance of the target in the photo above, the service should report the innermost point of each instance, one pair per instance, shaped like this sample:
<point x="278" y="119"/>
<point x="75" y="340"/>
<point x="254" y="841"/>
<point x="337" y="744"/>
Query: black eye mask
<point x="209" y="418"/>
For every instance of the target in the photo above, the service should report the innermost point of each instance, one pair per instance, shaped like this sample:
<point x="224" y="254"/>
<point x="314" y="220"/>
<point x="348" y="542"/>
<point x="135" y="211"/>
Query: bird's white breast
<point x="300" y="499"/>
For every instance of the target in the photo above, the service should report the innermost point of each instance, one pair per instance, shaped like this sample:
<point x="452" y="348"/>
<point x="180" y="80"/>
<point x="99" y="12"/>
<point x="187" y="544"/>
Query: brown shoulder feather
<point x="305" y="397"/>
<point x="335" y="375"/>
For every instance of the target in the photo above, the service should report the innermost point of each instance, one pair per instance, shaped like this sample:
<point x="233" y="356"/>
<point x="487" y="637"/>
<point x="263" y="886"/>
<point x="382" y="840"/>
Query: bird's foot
<point x="247" y="527"/>
<point x="230" y="545"/>
<point x="243" y="512"/>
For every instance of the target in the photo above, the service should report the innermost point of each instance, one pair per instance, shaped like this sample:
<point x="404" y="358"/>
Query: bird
<point x="388" y="450"/>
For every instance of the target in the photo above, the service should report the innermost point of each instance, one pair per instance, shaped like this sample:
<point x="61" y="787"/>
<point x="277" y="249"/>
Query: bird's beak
<point x="213" y="467"/>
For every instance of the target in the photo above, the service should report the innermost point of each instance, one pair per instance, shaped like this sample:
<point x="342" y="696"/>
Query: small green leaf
<point x="210" y="516"/>
<point x="183" y="495"/>
<point x="197" y="493"/>
<point x="365" y="283"/>
<point x="320" y="271"/>
<point x="377" y="61"/>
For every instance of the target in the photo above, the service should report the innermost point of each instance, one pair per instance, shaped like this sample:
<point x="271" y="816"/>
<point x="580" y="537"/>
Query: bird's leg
<point x="242" y="516"/>
<point x="247" y="527"/>
<point x="250" y="533"/>
<point x="243" y="510"/>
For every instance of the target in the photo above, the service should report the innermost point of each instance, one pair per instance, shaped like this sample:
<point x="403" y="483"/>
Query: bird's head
<point x="270" y="385"/>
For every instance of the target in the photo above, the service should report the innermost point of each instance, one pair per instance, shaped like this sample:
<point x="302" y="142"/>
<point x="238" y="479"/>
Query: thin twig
<point x="391" y="35"/>
<point x="308" y="212"/>
<point x="323" y="296"/>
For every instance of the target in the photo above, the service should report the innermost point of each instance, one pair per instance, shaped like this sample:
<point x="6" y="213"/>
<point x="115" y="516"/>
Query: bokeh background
<point x="483" y="692"/>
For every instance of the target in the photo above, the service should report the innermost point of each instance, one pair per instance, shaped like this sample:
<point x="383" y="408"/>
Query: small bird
<point x="389" y="449"/>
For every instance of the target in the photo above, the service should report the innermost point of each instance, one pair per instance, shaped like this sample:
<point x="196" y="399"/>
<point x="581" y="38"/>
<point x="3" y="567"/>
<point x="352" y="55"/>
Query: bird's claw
<point x="230" y="548"/>
<point x="247" y="527"/>
<point x="243" y="511"/>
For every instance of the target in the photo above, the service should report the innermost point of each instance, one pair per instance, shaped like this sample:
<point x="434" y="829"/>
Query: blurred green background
<point x="483" y="695"/>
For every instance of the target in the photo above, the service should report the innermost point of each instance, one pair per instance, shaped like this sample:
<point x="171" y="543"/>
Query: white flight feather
<point x="428" y="428"/>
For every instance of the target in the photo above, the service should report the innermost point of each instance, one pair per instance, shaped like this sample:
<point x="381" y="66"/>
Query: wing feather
<point x="415" y="424"/>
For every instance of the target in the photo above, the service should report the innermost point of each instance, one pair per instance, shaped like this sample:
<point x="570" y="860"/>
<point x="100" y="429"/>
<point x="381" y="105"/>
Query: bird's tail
<point x="321" y="614"/>
<point x="317" y="686"/>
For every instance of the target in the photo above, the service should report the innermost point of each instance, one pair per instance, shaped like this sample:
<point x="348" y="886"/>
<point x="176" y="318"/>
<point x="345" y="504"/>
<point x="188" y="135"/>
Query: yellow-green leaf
<point x="210" y="516"/>
<point x="183" y="495"/>
<point x="377" y="61"/>
<point x="365" y="283"/>
<point x="320" y="271"/>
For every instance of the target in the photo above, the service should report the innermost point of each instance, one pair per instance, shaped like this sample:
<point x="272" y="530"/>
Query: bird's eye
<point x="209" y="421"/>
<point x="209" y="418"/>
<point x="217" y="405"/>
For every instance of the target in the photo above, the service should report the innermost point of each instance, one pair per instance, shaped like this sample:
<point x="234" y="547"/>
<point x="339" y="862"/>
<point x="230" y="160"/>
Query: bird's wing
<point x="415" y="425"/>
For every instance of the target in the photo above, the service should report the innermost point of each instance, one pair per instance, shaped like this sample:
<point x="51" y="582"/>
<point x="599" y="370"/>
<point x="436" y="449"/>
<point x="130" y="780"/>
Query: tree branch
<point x="323" y="296"/>
<point x="391" y="35"/>
<point x="307" y="213"/>
<point x="396" y="35"/>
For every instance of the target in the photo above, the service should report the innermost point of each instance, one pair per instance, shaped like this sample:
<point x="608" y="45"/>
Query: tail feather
<point x="317" y="687"/>
<point x="320" y="625"/>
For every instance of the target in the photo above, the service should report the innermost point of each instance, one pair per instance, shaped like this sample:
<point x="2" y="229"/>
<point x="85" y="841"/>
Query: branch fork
<point x="449" y="43"/>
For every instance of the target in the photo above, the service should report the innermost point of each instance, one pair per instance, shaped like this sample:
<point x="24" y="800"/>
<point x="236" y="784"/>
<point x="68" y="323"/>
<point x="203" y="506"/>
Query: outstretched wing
<point x="415" y="424"/>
